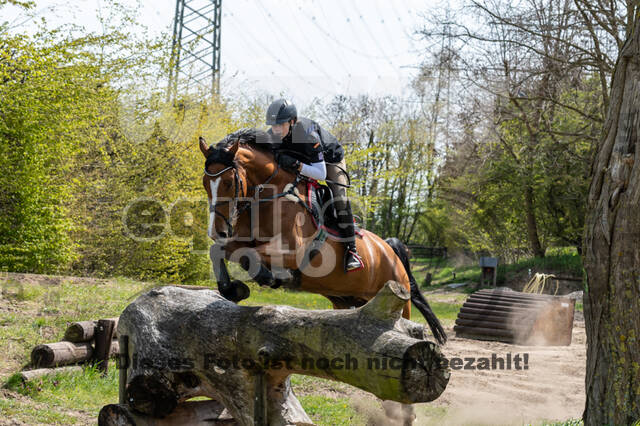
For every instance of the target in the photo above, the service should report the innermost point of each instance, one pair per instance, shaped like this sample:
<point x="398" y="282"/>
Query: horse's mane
<point x="254" y="138"/>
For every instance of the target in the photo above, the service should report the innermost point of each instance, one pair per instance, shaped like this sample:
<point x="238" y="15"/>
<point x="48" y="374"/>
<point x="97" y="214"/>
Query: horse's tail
<point x="416" y="296"/>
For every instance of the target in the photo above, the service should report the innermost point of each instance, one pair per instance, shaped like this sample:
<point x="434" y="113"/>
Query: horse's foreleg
<point x="257" y="270"/>
<point x="231" y="290"/>
<point x="275" y="255"/>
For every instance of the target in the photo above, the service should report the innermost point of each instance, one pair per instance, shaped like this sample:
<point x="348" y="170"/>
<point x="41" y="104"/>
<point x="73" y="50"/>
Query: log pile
<point x="84" y="341"/>
<point x="514" y="317"/>
<point x="182" y="343"/>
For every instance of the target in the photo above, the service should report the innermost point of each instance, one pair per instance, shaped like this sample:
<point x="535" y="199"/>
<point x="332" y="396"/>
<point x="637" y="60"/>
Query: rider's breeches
<point x="336" y="172"/>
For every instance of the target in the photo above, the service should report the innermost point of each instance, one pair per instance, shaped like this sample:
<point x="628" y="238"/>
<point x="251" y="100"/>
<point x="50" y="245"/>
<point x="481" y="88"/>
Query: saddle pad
<point x="328" y="222"/>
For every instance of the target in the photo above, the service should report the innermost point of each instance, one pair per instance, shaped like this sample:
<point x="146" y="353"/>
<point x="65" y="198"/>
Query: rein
<point x="291" y="190"/>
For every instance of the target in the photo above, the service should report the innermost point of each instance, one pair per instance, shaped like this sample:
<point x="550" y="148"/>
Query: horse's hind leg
<point x="399" y="414"/>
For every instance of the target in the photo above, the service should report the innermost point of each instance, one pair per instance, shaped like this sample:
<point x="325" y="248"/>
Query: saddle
<point x="325" y="216"/>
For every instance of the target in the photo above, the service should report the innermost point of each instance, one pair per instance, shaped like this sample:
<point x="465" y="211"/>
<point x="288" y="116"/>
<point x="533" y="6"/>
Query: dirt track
<point x="552" y="388"/>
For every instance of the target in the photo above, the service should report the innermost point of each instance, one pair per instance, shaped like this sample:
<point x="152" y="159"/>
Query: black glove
<point x="287" y="162"/>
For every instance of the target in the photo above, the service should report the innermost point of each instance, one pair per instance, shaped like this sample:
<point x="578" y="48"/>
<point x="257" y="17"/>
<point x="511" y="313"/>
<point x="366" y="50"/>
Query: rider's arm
<point x="317" y="171"/>
<point x="308" y="142"/>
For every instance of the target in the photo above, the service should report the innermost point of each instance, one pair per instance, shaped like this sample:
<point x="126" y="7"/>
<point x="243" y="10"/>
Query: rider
<point x="317" y="154"/>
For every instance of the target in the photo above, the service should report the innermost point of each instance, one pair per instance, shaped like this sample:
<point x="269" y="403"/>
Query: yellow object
<point x="538" y="282"/>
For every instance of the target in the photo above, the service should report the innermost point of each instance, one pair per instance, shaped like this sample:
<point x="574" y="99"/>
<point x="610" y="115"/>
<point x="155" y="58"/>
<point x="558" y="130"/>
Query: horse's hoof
<point x="235" y="291"/>
<point x="241" y="290"/>
<point x="264" y="279"/>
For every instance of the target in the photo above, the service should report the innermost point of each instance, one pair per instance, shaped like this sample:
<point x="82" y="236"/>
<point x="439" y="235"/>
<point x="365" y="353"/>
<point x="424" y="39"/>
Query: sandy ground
<point x="552" y="388"/>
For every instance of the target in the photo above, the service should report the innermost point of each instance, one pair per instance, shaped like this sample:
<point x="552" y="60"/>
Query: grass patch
<point x="30" y="414"/>
<point x="570" y="422"/>
<point x="297" y="299"/>
<point x="81" y="391"/>
<point x="558" y="261"/>
<point x="328" y="411"/>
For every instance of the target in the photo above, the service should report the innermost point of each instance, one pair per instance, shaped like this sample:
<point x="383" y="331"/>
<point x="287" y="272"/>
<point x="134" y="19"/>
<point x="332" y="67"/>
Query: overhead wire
<point x="382" y="21"/>
<point x="375" y="40"/>
<point x="252" y="46"/>
<point x="270" y="53"/>
<point x="312" y="19"/>
<point x="357" y="38"/>
<point x="302" y="51"/>
<point x="345" y="46"/>
<point x="318" y="62"/>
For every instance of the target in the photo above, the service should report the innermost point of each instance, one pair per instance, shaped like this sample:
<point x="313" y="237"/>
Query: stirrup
<point x="356" y="257"/>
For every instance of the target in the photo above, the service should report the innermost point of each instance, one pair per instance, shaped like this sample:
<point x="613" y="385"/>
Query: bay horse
<point x="258" y="218"/>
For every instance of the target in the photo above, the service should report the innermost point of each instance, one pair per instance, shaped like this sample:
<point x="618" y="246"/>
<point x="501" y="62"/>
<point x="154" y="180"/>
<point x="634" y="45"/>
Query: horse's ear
<point x="234" y="147"/>
<point x="203" y="147"/>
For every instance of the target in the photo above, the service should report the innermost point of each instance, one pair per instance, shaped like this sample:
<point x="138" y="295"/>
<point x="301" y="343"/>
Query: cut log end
<point x="42" y="356"/>
<point x="152" y="394"/>
<point x="115" y="415"/>
<point x="82" y="331"/>
<point x="424" y="375"/>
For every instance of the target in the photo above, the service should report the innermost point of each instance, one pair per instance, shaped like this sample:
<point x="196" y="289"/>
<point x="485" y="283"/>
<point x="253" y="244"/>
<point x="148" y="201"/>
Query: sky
<point x="302" y="50"/>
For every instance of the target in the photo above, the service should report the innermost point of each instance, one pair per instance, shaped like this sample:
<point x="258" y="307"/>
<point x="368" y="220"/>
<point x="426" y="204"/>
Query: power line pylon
<point x="195" y="48"/>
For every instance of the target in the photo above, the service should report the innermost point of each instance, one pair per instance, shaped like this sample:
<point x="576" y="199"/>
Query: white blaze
<point x="212" y="202"/>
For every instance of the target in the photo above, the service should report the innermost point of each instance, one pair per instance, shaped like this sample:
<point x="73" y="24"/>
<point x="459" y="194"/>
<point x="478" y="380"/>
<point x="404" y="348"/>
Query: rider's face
<point x="281" y="130"/>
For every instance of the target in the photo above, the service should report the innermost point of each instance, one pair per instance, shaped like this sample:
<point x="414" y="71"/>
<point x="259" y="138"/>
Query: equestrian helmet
<point x="281" y="111"/>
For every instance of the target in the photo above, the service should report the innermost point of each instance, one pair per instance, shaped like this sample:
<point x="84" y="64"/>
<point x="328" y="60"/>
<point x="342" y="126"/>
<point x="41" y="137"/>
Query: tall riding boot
<point x="352" y="260"/>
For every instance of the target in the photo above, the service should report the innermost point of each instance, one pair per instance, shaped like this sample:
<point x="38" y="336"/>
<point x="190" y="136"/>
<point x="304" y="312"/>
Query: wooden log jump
<point x="27" y="375"/>
<point x="65" y="353"/>
<point x="514" y="317"/>
<point x="185" y="343"/>
<point x="84" y="331"/>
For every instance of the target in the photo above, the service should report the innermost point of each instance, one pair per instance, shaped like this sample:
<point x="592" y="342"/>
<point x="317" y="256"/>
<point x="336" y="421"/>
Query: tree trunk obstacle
<point x="184" y="343"/>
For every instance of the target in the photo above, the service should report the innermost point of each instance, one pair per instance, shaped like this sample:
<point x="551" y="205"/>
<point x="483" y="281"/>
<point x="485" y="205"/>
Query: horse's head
<point x="239" y="164"/>
<point x="225" y="181"/>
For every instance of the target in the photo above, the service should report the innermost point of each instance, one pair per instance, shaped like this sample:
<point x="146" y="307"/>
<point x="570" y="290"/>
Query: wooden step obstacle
<point x="514" y="317"/>
<point x="85" y="342"/>
<point x="179" y="343"/>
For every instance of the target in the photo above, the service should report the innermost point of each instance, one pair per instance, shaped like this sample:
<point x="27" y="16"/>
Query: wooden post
<point x="123" y="364"/>
<point x="104" y="336"/>
<point x="260" y="415"/>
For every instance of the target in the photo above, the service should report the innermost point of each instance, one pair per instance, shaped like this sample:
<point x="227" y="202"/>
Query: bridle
<point x="213" y="208"/>
<point x="290" y="191"/>
<point x="235" y="211"/>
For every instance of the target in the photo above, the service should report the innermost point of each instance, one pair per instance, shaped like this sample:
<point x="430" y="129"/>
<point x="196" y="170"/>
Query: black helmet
<point x="280" y="111"/>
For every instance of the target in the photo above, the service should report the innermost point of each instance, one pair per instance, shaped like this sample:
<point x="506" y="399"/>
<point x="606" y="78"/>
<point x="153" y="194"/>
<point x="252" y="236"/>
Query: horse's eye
<point x="227" y="184"/>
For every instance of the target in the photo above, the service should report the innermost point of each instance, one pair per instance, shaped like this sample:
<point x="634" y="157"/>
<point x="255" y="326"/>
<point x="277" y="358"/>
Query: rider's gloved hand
<point x="288" y="162"/>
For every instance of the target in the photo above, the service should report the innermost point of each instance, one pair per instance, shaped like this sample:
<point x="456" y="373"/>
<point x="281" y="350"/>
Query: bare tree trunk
<point x="532" y="226"/>
<point x="612" y="260"/>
